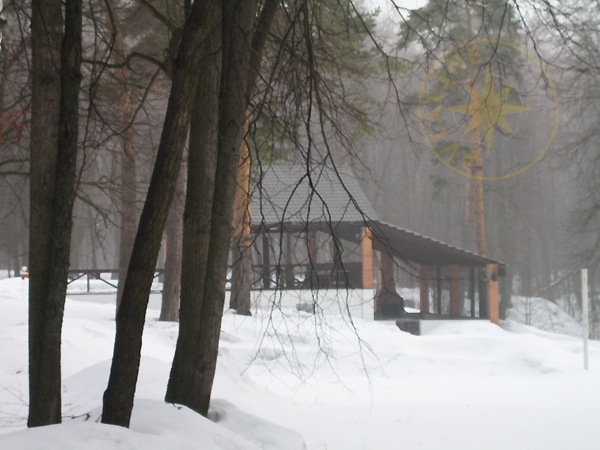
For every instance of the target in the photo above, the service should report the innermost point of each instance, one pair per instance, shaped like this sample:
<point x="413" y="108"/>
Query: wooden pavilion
<point x="316" y="230"/>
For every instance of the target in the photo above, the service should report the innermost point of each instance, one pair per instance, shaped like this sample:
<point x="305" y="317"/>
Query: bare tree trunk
<point x="174" y="231"/>
<point x="477" y="171"/>
<point x="127" y="187"/>
<point x="118" y="397"/>
<point x="238" y="19"/>
<point x="465" y="197"/>
<point x="208" y="212"/>
<point x="241" y="276"/>
<point x="192" y="385"/>
<point x="56" y="62"/>
<point x="477" y="168"/>
<point x="202" y="166"/>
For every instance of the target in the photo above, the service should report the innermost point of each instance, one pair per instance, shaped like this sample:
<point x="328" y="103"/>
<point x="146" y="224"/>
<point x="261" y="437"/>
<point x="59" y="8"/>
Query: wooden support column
<point x="366" y="251"/>
<point x="492" y="294"/>
<point x="455" y="309"/>
<point x="424" y="277"/>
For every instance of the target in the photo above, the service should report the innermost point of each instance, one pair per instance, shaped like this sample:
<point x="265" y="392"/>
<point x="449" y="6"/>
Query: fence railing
<point x="96" y="274"/>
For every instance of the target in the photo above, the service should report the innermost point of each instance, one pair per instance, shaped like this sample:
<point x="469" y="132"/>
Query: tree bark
<point x="238" y="18"/>
<point x="477" y="168"/>
<point x="241" y="276"/>
<point x="208" y="212"/>
<point x="174" y="232"/>
<point x="192" y="385"/>
<point x="202" y="166"/>
<point x="241" y="273"/>
<point x="56" y="62"/>
<point x="127" y="186"/>
<point x="118" y="397"/>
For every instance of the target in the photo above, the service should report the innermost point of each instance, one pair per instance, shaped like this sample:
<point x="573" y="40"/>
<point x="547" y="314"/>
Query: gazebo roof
<point x="289" y="195"/>
<point x="422" y="249"/>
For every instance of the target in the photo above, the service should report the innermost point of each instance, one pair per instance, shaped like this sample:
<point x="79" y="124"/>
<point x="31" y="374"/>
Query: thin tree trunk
<point x="477" y="171"/>
<point x="174" y="231"/>
<point x="465" y="196"/>
<point x="127" y="186"/>
<point x="56" y="62"/>
<point x="118" y="397"/>
<point x="477" y="167"/>
<point x="241" y="276"/>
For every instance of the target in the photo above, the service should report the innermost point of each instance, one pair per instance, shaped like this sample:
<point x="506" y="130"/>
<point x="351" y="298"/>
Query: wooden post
<point x="455" y="309"/>
<point x="366" y="251"/>
<point x="424" y="277"/>
<point x="492" y="294"/>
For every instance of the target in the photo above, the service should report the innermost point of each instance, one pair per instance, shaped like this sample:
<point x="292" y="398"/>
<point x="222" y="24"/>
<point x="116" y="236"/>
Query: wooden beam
<point x="366" y="251"/>
<point x="455" y="309"/>
<point x="492" y="294"/>
<point x="424" y="277"/>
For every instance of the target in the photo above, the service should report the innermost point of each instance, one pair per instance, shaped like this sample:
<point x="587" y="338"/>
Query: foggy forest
<point x="134" y="135"/>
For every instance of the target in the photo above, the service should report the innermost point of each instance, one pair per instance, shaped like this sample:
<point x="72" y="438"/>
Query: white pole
<point x="585" y="316"/>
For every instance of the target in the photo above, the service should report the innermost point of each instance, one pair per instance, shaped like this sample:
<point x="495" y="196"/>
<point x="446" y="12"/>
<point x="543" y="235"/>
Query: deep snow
<point x="289" y="379"/>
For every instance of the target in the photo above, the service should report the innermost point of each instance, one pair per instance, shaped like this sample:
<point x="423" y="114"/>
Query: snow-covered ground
<point x="289" y="379"/>
<point x="540" y="313"/>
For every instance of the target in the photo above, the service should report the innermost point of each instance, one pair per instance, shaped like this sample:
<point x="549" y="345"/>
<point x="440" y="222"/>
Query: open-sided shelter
<point x="314" y="229"/>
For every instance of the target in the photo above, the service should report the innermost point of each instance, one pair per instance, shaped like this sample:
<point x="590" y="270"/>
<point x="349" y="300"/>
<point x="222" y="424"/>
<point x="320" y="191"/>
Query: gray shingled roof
<point x="422" y="249"/>
<point x="282" y="193"/>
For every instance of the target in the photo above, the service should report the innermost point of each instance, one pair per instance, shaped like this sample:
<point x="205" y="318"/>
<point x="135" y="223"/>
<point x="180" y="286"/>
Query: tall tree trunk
<point x="465" y="199"/>
<point x="477" y="171"/>
<point x="202" y="166"/>
<point x="477" y="167"/>
<point x="238" y="19"/>
<point x="127" y="186"/>
<point x="241" y="276"/>
<point x="192" y="371"/>
<point x="174" y="232"/>
<point x="192" y="385"/>
<point x="118" y="397"/>
<point x="56" y="62"/>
